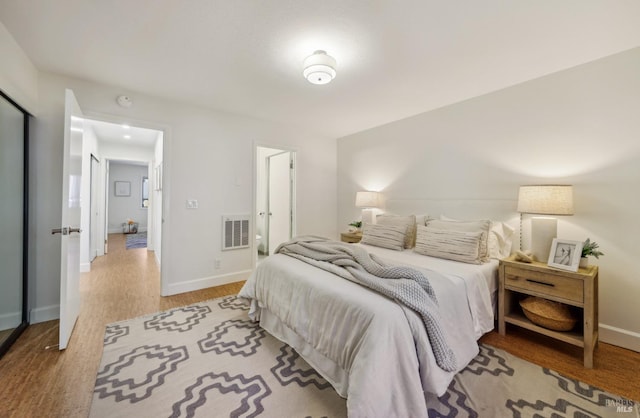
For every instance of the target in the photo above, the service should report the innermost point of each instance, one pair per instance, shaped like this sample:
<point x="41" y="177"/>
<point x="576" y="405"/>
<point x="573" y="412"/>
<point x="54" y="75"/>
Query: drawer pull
<point x="542" y="283"/>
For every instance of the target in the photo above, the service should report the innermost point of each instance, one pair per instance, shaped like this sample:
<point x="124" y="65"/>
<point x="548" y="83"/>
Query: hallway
<point x="46" y="382"/>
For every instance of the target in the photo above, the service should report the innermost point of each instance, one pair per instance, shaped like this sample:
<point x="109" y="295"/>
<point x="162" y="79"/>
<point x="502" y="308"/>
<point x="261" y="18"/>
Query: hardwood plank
<point x="615" y="369"/>
<point x="123" y="284"/>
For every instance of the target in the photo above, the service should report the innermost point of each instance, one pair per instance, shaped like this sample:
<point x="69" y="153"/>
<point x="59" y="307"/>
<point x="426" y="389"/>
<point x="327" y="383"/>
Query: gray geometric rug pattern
<point x="210" y="360"/>
<point x="206" y="360"/>
<point x="138" y="240"/>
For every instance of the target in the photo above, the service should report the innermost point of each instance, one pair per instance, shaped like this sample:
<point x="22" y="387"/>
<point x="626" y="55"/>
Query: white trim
<point x="85" y="267"/>
<point x="46" y="313"/>
<point x="206" y="282"/>
<point x="166" y="129"/>
<point x="620" y="337"/>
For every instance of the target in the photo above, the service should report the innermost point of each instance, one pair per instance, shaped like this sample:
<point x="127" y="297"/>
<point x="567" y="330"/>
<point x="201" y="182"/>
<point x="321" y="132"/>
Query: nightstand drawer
<point x="564" y="288"/>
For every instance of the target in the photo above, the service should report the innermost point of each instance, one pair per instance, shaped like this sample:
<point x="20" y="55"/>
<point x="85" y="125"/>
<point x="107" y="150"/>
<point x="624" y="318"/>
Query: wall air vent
<point x="235" y="232"/>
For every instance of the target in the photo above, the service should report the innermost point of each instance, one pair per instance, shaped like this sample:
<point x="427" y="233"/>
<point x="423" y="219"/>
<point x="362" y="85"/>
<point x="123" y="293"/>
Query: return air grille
<point x="235" y="232"/>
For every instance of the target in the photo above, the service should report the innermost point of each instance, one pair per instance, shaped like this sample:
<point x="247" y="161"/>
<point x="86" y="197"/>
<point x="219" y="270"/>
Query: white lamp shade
<point x="319" y="68"/>
<point x="367" y="199"/>
<point x="546" y="199"/>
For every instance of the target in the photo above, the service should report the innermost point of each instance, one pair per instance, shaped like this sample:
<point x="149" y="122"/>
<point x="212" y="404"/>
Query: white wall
<point x="208" y="156"/>
<point x="123" y="208"/>
<point x="18" y="75"/>
<point x="580" y="126"/>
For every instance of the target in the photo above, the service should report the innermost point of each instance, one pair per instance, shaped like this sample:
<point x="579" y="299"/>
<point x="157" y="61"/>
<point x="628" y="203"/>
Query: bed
<point x="373" y="351"/>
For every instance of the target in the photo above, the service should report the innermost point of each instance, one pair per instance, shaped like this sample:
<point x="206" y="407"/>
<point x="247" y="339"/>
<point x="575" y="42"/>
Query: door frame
<point x="268" y="218"/>
<point x="254" y="198"/>
<point x="165" y="231"/>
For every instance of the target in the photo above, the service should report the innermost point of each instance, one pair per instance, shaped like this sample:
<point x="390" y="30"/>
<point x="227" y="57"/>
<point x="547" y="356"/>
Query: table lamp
<point x="547" y="199"/>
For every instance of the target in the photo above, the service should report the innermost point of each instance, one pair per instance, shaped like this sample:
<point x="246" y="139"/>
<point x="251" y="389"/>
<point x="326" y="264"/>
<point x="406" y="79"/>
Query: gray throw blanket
<point x="405" y="285"/>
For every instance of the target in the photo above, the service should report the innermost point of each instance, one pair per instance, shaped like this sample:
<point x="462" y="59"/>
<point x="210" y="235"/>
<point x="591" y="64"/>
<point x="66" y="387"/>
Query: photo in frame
<point x="565" y="254"/>
<point x="122" y="188"/>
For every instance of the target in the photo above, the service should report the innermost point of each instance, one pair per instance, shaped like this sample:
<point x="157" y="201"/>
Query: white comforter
<point x="360" y="341"/>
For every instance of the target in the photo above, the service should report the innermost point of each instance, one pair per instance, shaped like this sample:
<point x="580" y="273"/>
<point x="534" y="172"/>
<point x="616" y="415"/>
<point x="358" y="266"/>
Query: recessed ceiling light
<point x="125" y="126"/>
<point x="127" y="137"/>
<point x="319" y="68"/>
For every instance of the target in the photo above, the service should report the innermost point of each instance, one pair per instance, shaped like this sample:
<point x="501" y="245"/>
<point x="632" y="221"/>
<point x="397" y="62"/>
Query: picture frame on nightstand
<point x="565" y="254"/>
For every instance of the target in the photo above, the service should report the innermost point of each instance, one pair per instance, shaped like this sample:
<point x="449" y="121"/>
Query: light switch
<point x="192" y="204"/>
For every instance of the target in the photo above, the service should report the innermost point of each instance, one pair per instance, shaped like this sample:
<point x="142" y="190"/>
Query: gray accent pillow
<point x="385" y="236"/>
<point x="452" y="245"/>
<point x="467" y="226"/>
<point x="408" y="221"/>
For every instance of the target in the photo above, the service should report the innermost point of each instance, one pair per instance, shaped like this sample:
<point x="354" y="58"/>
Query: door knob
<point x="65" y="230"/>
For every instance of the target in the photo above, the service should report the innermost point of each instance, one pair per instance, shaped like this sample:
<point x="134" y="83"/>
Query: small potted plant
<point x="589" y="248"/>
<point x="355" y="226"/>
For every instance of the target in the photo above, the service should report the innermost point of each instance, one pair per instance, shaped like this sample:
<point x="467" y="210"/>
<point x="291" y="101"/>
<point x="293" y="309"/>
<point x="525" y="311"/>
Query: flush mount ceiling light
<point x="319" y="68"/>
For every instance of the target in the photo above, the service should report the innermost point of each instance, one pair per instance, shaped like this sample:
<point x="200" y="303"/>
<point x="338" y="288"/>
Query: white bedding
<point x="481" y="280"/>
<point x="362" y="342"/>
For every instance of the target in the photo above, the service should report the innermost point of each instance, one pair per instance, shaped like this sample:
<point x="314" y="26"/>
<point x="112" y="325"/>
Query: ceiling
<point x="123" y="134"/>
<point x="395" y="58"/>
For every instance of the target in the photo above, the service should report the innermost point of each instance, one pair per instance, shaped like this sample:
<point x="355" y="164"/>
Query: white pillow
<point x="482" y="226"/>
<point x="500" y="238"/>
<point x="385" y="236"/>
<point x="452" y="245"/>
<point x="408" y="222"/>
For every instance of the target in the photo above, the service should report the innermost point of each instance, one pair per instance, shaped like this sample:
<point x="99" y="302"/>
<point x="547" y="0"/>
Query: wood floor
<point x="38" y="382"/>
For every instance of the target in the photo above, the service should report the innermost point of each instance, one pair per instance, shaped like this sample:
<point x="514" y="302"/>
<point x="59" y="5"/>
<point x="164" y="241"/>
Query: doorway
<point x="275" y="198"/>
<point x="107" y="143"/>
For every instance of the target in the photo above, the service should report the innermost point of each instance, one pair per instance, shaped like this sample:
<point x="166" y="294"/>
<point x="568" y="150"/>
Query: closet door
<point x="13" y="222"/>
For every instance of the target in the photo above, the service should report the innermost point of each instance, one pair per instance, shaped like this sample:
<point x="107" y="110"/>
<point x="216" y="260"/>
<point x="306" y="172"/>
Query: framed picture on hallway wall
<point x="122" y="188"/>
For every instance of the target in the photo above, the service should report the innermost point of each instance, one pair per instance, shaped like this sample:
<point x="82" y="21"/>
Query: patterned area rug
<point x="210" y="360"/>
<point x="138" y="240"/>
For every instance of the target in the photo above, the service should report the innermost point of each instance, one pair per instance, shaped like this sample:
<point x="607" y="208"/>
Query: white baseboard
<point x="198" y="284"/>
<point x="85" y="267"/>
<point x="46" y="313"/>
<point x="620" y="337"/>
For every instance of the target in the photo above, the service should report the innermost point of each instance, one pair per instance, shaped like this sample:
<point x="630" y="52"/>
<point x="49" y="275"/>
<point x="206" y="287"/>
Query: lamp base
<point x="368" y="216"/>
<point x="543" y="231"/>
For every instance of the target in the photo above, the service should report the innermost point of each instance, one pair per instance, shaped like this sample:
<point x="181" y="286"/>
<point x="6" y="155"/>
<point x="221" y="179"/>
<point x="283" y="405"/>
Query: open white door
<point x="280" y="214"/>
<point x="69" y="229"/>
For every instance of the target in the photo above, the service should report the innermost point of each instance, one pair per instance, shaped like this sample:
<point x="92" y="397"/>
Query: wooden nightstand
<point x="351" y="237"/>
<point x="580" y="289"/>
